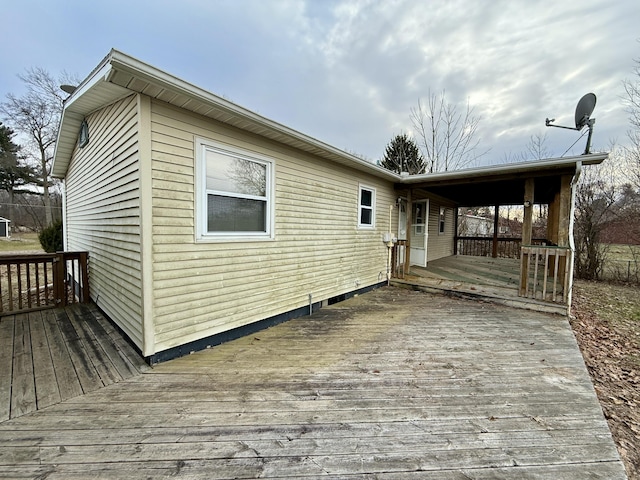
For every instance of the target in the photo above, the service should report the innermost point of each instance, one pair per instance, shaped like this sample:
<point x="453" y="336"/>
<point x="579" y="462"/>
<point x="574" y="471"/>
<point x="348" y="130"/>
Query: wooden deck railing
<point x="398" y="255"/>
<point x="505" y="247"/>
<point x="38" y="281"/>
<point x="544" y="273"/>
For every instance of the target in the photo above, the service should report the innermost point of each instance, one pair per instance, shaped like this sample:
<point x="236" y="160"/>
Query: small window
<point x="367" y="203"/>
<point x="235" y="193"/>
<point x="443" y="217"/>
<point x="83" y="135"/>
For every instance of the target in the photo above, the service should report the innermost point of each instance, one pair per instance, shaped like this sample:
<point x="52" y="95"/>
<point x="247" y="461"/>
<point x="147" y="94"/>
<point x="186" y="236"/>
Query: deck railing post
<point x="84" y="256"/>
<point x="59" y="274"/>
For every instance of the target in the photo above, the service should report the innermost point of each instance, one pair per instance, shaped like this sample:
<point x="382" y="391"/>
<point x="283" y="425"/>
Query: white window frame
<point x="202" y="145"/>
<point x="442" y="221"/>
<point x="372" y="225"/>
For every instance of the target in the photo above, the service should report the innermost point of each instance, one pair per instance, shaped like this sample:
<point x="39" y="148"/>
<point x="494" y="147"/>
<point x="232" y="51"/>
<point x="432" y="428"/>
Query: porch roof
<point x="500" y="184"/>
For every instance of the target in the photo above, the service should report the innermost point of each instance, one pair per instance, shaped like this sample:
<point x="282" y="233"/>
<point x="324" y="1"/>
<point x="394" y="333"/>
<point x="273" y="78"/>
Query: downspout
<point x="572" y="243"/>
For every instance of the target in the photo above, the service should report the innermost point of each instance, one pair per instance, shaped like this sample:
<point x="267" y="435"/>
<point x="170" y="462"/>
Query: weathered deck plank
<point x="7" y="327"/>
<point x="53" y="355"/>
<point x="66" y="376"/>
<point x="23" y="397"/>
<point x="46" y="386"/>
<point x="392" y="384"/>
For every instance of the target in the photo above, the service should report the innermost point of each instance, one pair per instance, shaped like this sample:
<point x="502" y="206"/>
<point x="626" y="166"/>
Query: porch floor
<point x="391" y="384"/>
<point x="51" y="355"/>
<point x="494" y="279"/>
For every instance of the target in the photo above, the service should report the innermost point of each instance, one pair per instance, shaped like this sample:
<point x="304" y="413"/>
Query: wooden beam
<point x="494" y="247"/>
<point x="407" y="255"/>
<point x="455" y="231"/>
<point x="527" y="222"/>
<point x="552" y="220"/>
<point x="564" y="210"/>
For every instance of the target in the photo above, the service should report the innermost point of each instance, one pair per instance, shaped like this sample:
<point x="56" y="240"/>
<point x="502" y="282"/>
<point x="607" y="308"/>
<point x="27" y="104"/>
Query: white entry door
<point x="419" y="233"/>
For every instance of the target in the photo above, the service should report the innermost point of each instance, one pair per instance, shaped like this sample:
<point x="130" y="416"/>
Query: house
<point x="474" y="225"/>
<point x="204" y="220"/>
<point x="5" y="228"/>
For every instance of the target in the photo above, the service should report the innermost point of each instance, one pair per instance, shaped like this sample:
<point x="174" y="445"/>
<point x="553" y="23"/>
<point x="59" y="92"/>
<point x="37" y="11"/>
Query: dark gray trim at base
<point x="249" y="329"/>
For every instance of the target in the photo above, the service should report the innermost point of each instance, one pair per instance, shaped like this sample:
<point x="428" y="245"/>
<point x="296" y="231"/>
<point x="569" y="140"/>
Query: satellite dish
<point x="584" y="109"/>
<point x="68" y="89"/>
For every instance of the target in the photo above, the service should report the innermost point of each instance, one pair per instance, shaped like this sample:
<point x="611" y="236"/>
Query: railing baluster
<point x="555" y="278"/>
<point x="37" y="265"/>
<point x="10" y="286"/>
<point x="19" y="274"/>
<point x="546" y="273"/>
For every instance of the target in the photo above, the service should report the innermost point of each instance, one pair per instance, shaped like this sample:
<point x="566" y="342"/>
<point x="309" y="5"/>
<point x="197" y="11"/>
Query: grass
<point x="621" y="262"/>
<point x="21" y="242"/>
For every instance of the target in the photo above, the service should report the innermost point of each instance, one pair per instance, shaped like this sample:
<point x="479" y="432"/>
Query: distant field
<point x="20" y="242"/>
<point x="622" y="262"/>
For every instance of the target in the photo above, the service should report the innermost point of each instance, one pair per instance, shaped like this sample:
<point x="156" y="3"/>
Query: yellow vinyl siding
<point x="440" y="244"/>
<point x="201" y="289"/>
<point x="103" y="212"/>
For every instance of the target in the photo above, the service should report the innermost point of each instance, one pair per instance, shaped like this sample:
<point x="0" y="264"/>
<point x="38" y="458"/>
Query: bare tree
<point x="36" y="115"/>
<point x="596" y="197"/>
<point x="447" y="137"/>
<point x="632" y="103"/>
<point x="535" y="149"/>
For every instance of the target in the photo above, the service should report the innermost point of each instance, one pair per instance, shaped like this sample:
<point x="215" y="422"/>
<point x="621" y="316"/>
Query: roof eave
<point x="547" y="164"/>
<point x="107" y="73"/>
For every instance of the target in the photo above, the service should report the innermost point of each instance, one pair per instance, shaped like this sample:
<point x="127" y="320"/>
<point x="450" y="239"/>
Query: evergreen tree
<point x="403" y="155"/>
<point x="13" y="174"/>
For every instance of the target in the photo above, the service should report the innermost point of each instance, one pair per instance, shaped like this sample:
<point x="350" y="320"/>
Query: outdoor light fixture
<point x="527" y="203"/>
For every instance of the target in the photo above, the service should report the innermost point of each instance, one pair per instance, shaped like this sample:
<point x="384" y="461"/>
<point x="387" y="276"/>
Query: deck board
<point x="46" y="387"/>
<point x="391" y="384"/>
<point x="53" y="355"/>
<point x="23" y="397"/>
<point x="493" y="279"/>
<point x="7" y="327"/>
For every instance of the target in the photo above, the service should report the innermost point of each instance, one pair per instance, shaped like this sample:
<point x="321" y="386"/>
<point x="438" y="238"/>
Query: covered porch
<point x="527" y="269"/>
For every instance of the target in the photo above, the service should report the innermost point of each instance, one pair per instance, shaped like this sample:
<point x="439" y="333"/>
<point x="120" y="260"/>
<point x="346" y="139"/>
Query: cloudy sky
<point x="349" y="72"/>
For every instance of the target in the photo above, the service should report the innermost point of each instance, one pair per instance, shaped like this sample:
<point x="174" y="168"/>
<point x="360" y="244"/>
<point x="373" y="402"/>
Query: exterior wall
<point x="440" y="244"/>
<point x="102" y="212"/>
<point x="201" y="289"/>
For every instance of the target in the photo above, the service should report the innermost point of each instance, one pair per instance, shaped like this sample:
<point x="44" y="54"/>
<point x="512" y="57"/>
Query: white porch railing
<point x="544" y="273"/>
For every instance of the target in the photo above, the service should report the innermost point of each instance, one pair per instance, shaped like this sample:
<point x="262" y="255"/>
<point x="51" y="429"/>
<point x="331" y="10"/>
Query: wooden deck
<point x="52" y="355"/>
<point x="391" y="384"/>
<point x="495" y="279"/>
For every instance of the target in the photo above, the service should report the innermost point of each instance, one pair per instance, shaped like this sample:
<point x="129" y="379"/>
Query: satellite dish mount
<point x="583" y="118"/>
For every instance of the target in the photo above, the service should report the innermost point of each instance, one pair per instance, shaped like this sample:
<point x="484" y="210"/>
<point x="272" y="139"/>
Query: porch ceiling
<point x="497" y="190"/>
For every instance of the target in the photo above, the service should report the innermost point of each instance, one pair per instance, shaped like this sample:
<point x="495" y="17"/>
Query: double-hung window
<point x="442" y="220"/>
<point x="235" y="194"/>
<point x="366" y="209"/>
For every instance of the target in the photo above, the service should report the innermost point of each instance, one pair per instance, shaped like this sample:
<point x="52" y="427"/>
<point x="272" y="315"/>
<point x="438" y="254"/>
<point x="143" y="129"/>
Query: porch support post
<point x="407" y="254"/>
<point x="564" y="211"/>
<point x="494" y="248"/>
<point x="527" y="222"/>
<point x="552" y="220"/>
<point x="455" y="231"/>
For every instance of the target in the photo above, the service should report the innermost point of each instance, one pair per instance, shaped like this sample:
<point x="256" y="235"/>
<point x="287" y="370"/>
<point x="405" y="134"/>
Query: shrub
<point x="51" y="238"/>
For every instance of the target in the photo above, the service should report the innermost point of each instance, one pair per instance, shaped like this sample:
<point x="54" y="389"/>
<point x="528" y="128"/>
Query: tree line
<point x="29" y="197"/>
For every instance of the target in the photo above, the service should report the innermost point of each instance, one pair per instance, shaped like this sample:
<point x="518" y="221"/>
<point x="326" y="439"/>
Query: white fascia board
<point x="546" y="164"/>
